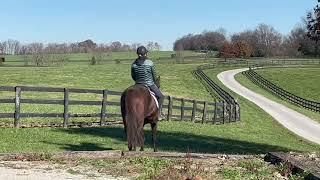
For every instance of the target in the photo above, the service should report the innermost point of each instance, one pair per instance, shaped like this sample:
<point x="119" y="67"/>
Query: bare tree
<point x="2" y="48"/>
<point x="135" y="46"/>
<point x="116" y="46"/>
<point x="36" y="50"/>
<point x="268" y="40"/>
<point x="157" y="46"/>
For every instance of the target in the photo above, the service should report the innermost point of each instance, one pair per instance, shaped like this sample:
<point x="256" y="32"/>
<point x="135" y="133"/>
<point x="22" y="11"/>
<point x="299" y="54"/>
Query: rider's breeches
<point x="158" y="94"/>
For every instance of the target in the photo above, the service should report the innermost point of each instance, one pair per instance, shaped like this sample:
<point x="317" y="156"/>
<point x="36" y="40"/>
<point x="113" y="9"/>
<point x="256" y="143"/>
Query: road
<point x="292" y="120"/>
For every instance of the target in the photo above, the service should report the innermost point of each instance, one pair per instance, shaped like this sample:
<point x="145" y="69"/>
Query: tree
<point x="296" y="43"/>
<point x="134" y="46"/>
<point x="116" y="46"/>
<point x="242" y="49"/>
<point x="313" y="24"/>
<point x="227" y="51"/>
<point x="157" y="46"/>
<point x="87" y="45"/>
<point x="268" y="40"/>
<point x="206" y="41"/>
<point x="313" y="27"/>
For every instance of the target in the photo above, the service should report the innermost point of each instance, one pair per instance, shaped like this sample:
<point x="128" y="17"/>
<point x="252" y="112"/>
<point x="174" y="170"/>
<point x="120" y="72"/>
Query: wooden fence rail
<point x="177" y="108"/>
<point x="264" y="83"/>
<point x="231" y="107"/>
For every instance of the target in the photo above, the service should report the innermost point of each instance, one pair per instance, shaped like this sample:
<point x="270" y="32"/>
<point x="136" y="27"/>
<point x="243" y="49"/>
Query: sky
<point x="140" y="21"/>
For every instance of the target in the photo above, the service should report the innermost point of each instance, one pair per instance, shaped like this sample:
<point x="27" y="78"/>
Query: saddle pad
<point x="155" y="98"/>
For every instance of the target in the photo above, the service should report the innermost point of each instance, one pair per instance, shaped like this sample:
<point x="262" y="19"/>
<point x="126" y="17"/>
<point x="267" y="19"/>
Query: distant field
<point x="107" y="57"/>
<point x="303" y="82"/>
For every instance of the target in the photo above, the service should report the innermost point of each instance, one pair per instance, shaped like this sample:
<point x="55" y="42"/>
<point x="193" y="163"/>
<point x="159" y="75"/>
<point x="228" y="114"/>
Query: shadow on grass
<point x="171" y="141"/>
<point x="81" y="147"/>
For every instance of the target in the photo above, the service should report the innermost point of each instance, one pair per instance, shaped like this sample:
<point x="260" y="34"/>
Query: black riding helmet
<point x="142" y="50"/>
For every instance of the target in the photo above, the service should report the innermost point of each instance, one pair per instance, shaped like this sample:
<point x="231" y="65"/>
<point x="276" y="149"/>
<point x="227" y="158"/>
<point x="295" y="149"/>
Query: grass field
<point x="256" y="133"/>
<point x="287" y="84"/>
<point x="303" y="82"/>
<point x="177" y="81"/>
<point x="84" y="58"/>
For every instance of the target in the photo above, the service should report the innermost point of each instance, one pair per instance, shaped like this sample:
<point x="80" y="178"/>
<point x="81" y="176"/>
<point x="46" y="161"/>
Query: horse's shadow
<point x="83" y="146"/>
<point x="172" y="141"/>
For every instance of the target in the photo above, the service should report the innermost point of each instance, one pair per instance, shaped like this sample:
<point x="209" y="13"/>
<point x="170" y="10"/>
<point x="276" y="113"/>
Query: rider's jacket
<point x="143" y="72"/>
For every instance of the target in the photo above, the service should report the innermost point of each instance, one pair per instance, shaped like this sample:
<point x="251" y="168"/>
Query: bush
<point x="117" y="61"/>
<point x="93" y="61"/>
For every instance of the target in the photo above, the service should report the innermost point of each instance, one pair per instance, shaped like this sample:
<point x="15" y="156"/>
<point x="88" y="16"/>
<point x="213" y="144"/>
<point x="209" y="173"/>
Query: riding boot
<point x="160" y="101"/>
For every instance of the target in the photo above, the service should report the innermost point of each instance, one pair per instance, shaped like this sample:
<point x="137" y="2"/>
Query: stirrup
<point x="161" y="117"/>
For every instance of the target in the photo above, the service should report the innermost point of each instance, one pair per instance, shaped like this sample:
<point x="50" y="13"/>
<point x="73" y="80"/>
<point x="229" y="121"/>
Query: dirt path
<point x="292" y="120"/>
<point x="25" y="170"/>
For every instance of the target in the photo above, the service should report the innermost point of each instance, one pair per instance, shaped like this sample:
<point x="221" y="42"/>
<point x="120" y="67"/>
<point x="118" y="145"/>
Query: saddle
<point x="153" y="95"/>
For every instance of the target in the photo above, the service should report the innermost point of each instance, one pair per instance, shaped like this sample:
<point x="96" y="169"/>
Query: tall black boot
<point x="160" y="101"/>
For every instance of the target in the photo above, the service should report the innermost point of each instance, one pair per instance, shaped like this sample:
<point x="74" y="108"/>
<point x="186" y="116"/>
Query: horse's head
<point x="158" y="82"/>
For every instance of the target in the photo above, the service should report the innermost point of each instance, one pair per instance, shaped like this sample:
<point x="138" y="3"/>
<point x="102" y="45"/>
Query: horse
<point x="138" y="108"/>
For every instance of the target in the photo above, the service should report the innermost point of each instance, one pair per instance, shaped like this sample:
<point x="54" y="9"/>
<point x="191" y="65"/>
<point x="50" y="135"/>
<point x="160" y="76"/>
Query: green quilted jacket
<point x="143" y="72"/>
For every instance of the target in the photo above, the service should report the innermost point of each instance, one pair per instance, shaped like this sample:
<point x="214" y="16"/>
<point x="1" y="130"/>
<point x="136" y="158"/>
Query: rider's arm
<point x="154" y="72"/>
<point x="133" y="74"/>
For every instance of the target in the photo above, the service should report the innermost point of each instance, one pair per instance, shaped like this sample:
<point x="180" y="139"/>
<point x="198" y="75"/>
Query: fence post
<point x="194" y="109"/>
<point x="236" y="111"/>
<point x="17" y="107"/>
<point x="103" y="107"/>
<point x="169" y="109"/>
<point x="215" y="112"/>
<point x="223" y="112"/>
<point x="66" y="108"/>
<point x="230" y="112"/>
<point x="204" y="115"/>
<point x="182" y="109"/>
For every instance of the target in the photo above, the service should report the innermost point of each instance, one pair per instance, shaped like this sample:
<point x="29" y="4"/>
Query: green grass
<point x="303" y="82"/>
<point x="256" y="133"/>
<point x="238" y="138"/>
<point x="250" y="85"/>
<point x="177" y="81"/>
<point x="83" y="58"/>
<point x="248" y="169"/>
<point x="258" y="125"/>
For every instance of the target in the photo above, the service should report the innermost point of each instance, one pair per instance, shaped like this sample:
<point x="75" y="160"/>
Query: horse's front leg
<point x="154" y="138"/>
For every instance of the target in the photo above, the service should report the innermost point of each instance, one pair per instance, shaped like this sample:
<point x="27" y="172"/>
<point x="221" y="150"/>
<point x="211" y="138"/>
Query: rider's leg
<point x="159" y="96"/>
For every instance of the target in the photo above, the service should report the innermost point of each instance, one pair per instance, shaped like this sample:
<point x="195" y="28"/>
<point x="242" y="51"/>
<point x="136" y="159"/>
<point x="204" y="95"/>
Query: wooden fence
<point x="173" y="108"/>
<point x="233" y="107"/>
<point x="264" y="83"/>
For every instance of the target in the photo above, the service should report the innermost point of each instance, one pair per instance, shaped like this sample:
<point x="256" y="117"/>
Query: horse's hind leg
<point x="131" y="148"/>
<point x="154" y="138"/>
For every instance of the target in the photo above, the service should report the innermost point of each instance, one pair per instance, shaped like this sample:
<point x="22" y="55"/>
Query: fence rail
<point x="175" y="108"/>
<point x="232" y="106"/>
<point x="264" y="83"/>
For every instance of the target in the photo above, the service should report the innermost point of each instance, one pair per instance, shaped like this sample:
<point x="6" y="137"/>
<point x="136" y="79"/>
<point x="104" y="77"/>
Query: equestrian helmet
<point x="142" y="50"/>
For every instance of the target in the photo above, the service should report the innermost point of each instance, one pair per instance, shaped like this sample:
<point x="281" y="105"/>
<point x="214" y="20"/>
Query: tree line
<point x="14" y="47"/>
<point x="263" y="41"/>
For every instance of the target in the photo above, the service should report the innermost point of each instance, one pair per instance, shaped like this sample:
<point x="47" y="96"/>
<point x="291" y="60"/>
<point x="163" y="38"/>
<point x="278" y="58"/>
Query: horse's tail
<point x="134" y="122"/>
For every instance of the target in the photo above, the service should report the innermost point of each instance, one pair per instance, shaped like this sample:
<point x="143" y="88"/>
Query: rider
<point x="143" y="72"/>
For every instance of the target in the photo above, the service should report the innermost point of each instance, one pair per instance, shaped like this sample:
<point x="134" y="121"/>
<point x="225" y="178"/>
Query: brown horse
<point x="138" y="108"/>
